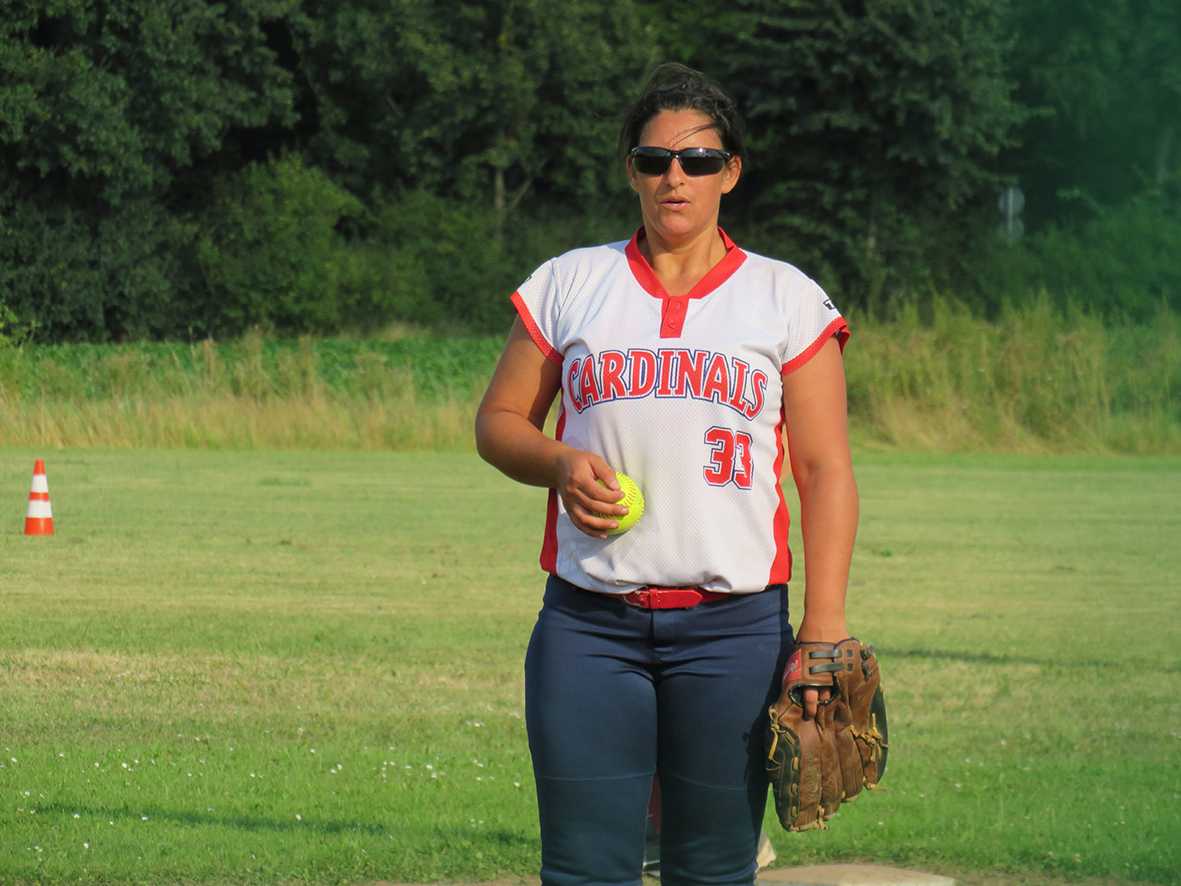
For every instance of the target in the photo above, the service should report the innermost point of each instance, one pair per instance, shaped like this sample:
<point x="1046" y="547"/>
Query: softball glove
<point x="815" y="764"/>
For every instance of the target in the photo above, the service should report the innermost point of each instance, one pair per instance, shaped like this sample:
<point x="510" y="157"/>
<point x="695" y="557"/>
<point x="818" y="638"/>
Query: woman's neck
<point x="679" y="266"/>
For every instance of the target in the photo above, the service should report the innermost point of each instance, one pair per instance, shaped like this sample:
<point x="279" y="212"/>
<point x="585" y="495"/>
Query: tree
<point x="1106" y="77"/>
<point x="110" y="101"/>
<point x="875" y="124"/>
<point x="486" y="102"/>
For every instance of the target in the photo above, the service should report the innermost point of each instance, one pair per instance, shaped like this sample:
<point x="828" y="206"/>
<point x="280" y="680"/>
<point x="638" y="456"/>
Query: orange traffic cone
<point x="39" y="520"/>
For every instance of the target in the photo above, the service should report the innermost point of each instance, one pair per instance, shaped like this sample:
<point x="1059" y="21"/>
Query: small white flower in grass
<point x="96" y="766"/>
<point x="76" y="815"/>
<point x="428" y="766"/>
<point x="124" y="765"/>
<point x="85" y="845"/>
<point x="143" y="818"/>
<point x="61" y="755"/>
<point x="516" y="784"/>
<point x="298" y="817"/>
<point x="958" y="785"/>
<point x="313" y="750"/>
<point x="28" y="793"/>
<point x="12" y="759"/>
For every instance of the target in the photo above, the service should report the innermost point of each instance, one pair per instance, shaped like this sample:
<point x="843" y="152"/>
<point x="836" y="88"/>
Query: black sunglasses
<point x="694" y="161"/>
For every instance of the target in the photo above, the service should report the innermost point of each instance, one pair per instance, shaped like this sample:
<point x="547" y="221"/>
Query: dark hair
<point x="675" y="87"/>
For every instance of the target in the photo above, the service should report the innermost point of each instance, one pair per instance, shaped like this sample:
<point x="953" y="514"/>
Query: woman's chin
<point x="673" y="225"/>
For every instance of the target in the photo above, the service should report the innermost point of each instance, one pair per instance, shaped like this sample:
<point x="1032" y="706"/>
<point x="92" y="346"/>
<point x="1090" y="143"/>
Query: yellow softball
<point x="632" y="499"/>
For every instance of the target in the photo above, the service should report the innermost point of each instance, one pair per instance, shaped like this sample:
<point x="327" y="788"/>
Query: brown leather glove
<point x="815" y="764"/>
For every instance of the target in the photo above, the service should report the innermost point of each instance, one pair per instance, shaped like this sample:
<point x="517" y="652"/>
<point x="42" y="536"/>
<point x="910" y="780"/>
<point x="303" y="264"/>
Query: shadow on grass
<point x="204" y="819"/>
<point x="256" y="824"/>
<point x="993" y="658"/>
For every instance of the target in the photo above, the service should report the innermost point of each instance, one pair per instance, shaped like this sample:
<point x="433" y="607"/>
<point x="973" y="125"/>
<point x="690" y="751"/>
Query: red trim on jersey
<point x="672" y="316"/>
<point x="534" y="330"/>
<point x="714" y="277"/>
<point x="549" y="543"/>
<point x="781" y="565"/>
<point x="837" y="327"/>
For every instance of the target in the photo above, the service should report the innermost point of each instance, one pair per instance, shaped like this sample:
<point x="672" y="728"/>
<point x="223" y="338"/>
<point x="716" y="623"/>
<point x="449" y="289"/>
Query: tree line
<point x="173" y="169"/>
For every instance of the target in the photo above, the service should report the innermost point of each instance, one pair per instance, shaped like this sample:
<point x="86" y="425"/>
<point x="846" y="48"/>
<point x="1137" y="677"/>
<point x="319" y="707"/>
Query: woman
<point x="680" y="360"/>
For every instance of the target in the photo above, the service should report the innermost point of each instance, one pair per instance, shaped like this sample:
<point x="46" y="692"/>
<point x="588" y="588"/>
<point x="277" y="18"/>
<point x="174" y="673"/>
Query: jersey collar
<point x="714" y="277"/>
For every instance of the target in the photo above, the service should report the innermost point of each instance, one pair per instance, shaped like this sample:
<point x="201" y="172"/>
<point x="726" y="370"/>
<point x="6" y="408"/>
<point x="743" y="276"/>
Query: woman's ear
<point x="731" y="174"/>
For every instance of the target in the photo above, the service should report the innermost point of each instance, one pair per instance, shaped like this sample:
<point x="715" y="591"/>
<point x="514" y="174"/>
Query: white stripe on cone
<point x="40" y="483"/>
<point x="40" y="510"/>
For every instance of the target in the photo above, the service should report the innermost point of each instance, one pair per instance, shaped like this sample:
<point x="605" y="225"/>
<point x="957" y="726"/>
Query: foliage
<point x="67" y="276"/>
<point x="486" y="102"/>
<point x="112" y="102"/>
<point x="873" y="126"/>
<point x="170" y="169"/>
<point x="1036" y="378"/>
<point x="270" y="254"/>
<point x="1106" y="78"/>
<point x="1113" y="263"/>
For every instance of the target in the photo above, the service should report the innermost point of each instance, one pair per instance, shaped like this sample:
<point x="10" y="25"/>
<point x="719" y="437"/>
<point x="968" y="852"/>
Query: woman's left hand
<point x="819" y="632"/>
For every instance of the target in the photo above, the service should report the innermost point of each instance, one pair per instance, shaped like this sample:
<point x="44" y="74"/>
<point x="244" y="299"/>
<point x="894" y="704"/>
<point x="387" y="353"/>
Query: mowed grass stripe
<point x="307" y="668"/>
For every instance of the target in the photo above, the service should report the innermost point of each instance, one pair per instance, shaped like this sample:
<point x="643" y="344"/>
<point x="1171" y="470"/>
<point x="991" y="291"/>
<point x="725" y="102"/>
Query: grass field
<point x="306" y="668"/>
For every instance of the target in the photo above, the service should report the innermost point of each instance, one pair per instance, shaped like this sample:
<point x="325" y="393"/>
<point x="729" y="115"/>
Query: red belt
<point x="671" y="598"/>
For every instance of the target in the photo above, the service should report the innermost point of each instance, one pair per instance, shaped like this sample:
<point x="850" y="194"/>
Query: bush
<point x="66" y="277"/>
<point x="270" y="254"/>
<point x="1121" y="263"/>
<point x="455" y="268"/>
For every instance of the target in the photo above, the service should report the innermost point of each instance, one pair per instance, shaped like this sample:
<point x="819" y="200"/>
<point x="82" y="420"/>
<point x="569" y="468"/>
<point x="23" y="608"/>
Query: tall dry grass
<point x="1034" y="379"/>
<point x="936" y="378"/>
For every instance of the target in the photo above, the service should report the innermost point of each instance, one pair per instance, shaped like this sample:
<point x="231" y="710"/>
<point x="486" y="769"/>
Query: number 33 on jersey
<point x="684" y="394"/>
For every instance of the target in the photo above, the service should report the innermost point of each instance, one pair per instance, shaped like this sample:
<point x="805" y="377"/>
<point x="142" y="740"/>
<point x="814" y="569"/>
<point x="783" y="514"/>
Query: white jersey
<point x="684" y="394"/>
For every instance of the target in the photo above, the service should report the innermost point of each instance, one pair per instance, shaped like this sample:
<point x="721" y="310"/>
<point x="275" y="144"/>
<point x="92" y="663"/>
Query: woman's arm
<point x="815" y="407"/>
<point x="509" y="436"/>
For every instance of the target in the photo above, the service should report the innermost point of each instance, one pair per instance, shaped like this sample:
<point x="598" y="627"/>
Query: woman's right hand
<point x="589" y="503"/>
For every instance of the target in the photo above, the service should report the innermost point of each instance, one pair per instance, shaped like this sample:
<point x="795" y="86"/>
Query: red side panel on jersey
<point x="781" y="565"/>
<point x="837" y="327"/>
<point x="549" y="544"/>
<point x="535" y="330"/>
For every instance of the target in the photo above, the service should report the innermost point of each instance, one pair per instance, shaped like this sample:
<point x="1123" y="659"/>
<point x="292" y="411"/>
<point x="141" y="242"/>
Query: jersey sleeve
<point x="813" y="319"/>
<point x="538" y="301"/>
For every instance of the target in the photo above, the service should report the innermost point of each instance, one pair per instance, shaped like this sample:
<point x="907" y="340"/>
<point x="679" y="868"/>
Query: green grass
<point x="1035" y="379"/>
<point x="307" y="668"/>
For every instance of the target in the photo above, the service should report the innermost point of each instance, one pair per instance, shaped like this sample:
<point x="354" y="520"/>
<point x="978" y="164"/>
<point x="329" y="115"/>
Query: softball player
<point x="680" y="359"/>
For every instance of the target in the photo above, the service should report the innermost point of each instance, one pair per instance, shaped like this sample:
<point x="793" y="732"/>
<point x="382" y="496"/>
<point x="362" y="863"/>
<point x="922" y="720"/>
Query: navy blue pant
<point x="614" y="693"/>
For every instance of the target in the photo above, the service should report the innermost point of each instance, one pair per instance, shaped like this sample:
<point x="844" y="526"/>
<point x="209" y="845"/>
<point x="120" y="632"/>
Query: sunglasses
<point x="694" y="161"/>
